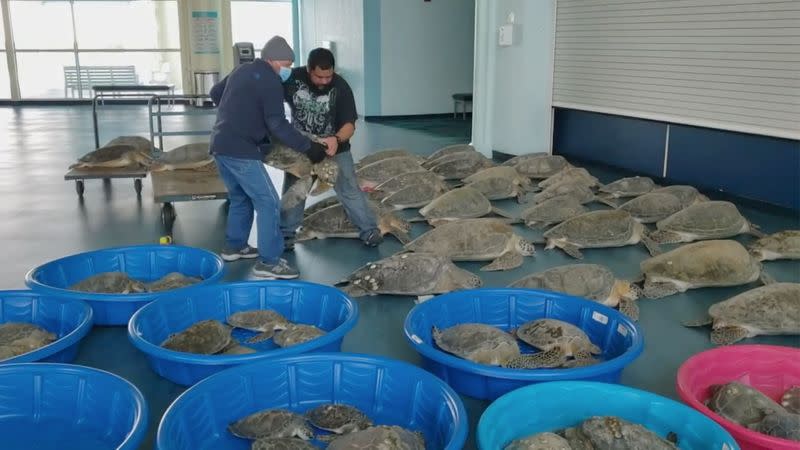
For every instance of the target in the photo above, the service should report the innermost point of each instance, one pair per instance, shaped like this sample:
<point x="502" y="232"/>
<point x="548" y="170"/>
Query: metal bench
<point x="463" y="99"/>
<point x="89" y="76"/>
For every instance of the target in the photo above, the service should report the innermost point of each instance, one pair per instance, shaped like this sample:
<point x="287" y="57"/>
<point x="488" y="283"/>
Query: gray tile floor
<point x="43" y="219"/>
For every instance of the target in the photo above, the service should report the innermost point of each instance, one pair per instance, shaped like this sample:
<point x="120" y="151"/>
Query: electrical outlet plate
<point x="505" y="36"/>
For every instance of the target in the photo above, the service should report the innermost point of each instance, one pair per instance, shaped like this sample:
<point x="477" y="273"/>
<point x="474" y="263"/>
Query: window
<point x="257" y="21"/>
<point x="151" y="67"/>
<point x="126" y="25"/>
<point x="41" y="74"/>
<point x="41" y="25"/>
<point x="5" y="82"/>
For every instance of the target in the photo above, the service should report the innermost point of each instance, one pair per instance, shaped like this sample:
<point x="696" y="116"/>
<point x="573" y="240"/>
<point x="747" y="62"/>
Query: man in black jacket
<point x="250" y="113"/>
<point x="322" y="103"/>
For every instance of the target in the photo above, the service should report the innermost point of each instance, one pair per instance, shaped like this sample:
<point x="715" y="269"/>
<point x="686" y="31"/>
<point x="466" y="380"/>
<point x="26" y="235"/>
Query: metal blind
<point x="727" y="64"/>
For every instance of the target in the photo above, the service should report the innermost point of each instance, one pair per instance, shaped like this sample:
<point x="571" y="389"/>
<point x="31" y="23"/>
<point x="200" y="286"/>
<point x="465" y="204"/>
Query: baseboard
<point x="81" y="102"/>
<point x="414" y="116"/>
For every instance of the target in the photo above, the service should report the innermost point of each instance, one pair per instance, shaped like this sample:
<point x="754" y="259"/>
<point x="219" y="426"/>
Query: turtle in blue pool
<point x="338" y="418"/>
<point x="110" y="283"/>
<point x="18" y="338"/>
<point x="265" y="321"/>
<point x="172" y="280"/>
<point x="388" y="437"/>
<point x="295" y="334"/>
<point x="282" y="444"/>
<point x="272" y="423"/>
<point x="557" y="341"/>
<point x="540" y="441"/>
<point x="614" y="433"/>
<point x="477" y="342"/>
<point x="206" y="337"/>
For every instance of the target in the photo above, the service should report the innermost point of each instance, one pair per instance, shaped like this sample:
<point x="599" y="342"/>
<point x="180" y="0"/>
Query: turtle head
<point x="627" y="290"/>
<point x="525" y="247"/>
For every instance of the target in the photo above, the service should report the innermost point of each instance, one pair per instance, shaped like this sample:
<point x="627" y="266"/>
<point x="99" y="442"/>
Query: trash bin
<point x="203" y="82"/>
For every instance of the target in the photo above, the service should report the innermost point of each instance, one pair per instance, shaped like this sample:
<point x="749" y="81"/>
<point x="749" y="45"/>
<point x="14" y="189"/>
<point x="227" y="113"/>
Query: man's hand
<point x="333" y="145"/>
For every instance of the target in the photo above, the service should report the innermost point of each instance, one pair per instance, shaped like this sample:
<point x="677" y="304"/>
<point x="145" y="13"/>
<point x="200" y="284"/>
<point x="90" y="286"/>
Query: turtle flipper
<point x="506" y="261"/>
<point x="554" y="357"/>
<point x="728" y="335"/>
<point x="296" y="194"/>
<point x="791" y="400"/>
<point x="502" y="213"/>
<point x="354" y="290"/>
<point x="422" y="298"/>
<point x="704" y="322"/>
<point x="765" y="278"/>
<point x="320" y="187"/>
<point x="755" y="230"/>
<point x="665" y="237"/>
<point x="572" y="250"/>
<point x="606" y="201"/>
<point x="652" y="246"/>
<point x="659" y="290"/>
<point x="401" y="235"/>
<point x="261" y="337"/>
<point x="629" y="307"/>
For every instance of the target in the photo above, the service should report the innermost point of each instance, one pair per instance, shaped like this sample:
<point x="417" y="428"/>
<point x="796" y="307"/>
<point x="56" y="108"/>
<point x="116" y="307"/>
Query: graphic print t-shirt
<point x="320" y="111"/>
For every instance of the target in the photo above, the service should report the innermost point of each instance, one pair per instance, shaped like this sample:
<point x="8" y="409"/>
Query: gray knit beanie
<point x="277" y="49"/>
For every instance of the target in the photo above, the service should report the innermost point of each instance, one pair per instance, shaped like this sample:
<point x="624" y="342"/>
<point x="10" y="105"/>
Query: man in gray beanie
<point x="250" y="116"/>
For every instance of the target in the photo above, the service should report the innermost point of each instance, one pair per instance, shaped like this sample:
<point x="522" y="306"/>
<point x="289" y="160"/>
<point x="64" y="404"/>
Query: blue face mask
<point x="284" y="73"/>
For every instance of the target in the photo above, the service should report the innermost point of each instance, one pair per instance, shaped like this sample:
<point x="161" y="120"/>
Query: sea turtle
<point x="414" y="196"/>
<point x="458" y="166"/>
<point x="784" y="425"/>
<point x="706" y="220"/>
<point x="17" y="338"/>
<point x="781" y="245"/>
<point x="295" y="334"/>
<point x="372" y="175"/>
<point x="652" y="207"/>
<point x="609" y="432"/>
<point x="575" y="189"/>
<point x="172" y="280"/>
<point x="338" y="418"/>
<point x="547" y="334"/>
<point x="476" y="240"/>
<point x="766" y="310"/>
<point x="320" y="205"/>
<point x="446" y="151"/>
<point x="741" y="403"/>
<point x="115" y="156"/>
<point x="700" y="264"/>
<point x="597" y="229"/>
<point x="387" y="153"/>
<point x="389" y="437"/>
<point x="477" y="342"/>
<point x="141" y="143"/>
<point x="590" y="281"/>
<point x="498" y="183"/>
<point x="235" y="348"/>
<point x="540" y="441"/>
<point x="687" y="195"/>
<point x="404" y="180"/>
<point x="537" y="165"/>
<point x="571" y="174"/>
<point x="272" y="423"/>
<point x="416" y="274"/>
<point x="282" y="444"/>
<point x="553" y="211"/>
<point x="265" y="321"/>
<point x="110" y="283"/>
<point x="791" y="400"/>
<point x="333" y="222"/>
<point x="206" y="337"/>
<point x="628" y="187"/>
<point x="460" y="203"/>
<point x="324" y="173"/>
<point x="186" y="157"/>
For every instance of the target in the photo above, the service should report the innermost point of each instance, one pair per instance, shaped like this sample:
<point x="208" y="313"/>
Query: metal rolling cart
<point x="178" y="185"/>
<point x="79" y="175"/>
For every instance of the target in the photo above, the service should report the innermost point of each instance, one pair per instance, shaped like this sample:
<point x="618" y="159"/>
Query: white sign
<point x="205" y="32"/>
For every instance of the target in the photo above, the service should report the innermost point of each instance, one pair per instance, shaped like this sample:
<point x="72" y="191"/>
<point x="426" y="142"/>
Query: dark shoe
<point x="229" y="254"/>
<point x="280" y="270"/>
<point x="373" y="239"/>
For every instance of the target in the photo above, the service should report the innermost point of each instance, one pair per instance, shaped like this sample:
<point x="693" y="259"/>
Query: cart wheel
<point x="167" y="215"/>
<point x="79" y="187"/>
<point x="137" y="185"/>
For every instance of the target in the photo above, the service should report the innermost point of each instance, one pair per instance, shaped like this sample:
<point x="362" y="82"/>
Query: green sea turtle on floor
<point x="574" y="189"/>
<point x="570" y="174"/>
<point x="387" y="153"/>
<point x="700" y="264"/>
<point x="553" y="211"/>
<point x="790" y="400"/>
<point x="314" y="179"/>
<point x="115" y="156"/>
<point x="409" y="190"/>
<point x="109" y="283"/>
<point x="498" y="183"/>
<point x="652" y="207"/>
<point x="433" y="158"/>
<point x="628" y="187"/>
<point x="609" y="432"/>
<point x="537" y="165"/>
<point x="687" y="195"/>
<point x="206" y="337"/>
<point x="172" y="280"/>
<point x="590" y="281"/>
<point x="477" y="342"/>
<point x="282" y="444"/>
<point x="458" y="166"/>
<point x="415" y="274"/>
<point x="333" y="222"/>
<point x="706" y="220"/>
<point x="18" y="338"/>
<point x="598" y="229"/>
<point x="460" y="203"/>
<point x="380" y="437"/>
<point x="540" y="441"/>
<point x="338" y="418"/>
<point x="186" y="157"/>
<point x="372" y="175"/>
<point x="272" y="423"/>
<point x="265" y="321"/>
<point x="773" y="309"/>
<point x="476" y="240"/>
<point x="781" y="245"/>
<point x="295" y="334"/>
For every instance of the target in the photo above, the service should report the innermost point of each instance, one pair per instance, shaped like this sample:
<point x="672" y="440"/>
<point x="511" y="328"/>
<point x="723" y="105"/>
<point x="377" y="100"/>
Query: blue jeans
<point x="250" y="189"/>
<point x="350" y="195"/>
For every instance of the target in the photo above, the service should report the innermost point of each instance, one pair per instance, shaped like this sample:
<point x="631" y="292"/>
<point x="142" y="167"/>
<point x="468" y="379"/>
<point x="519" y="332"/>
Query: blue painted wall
<point x="750" y="166"/>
